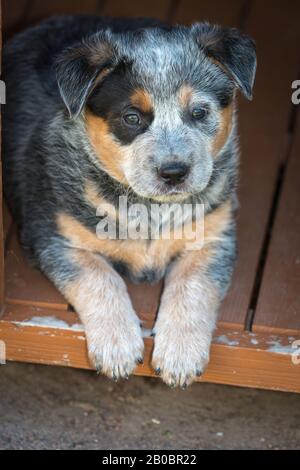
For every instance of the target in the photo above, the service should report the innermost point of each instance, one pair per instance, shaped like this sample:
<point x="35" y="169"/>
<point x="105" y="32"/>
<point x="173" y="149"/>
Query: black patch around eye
<point x="109" y="100"/>
<point x="126" y="134"/>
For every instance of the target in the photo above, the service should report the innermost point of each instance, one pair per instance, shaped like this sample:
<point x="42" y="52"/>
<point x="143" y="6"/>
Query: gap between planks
<point x="277" y="195"/>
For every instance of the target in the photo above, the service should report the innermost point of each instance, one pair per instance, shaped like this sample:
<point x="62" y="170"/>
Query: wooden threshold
<point x="237" y="358"/>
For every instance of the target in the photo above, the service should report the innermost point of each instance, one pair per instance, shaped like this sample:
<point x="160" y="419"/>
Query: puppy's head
<point x="158" y="102"/>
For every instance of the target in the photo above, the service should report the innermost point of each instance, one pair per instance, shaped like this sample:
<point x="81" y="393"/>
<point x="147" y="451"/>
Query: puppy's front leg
<point x="99" y="296"/>
<point x="194" y="288"/>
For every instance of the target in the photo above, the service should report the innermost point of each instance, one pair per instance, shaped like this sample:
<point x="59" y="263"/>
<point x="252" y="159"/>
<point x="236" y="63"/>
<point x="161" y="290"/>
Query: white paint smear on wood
<point x="50" y="322"/>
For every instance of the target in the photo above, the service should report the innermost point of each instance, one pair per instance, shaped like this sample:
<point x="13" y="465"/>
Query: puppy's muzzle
<point x="173" y="173"/>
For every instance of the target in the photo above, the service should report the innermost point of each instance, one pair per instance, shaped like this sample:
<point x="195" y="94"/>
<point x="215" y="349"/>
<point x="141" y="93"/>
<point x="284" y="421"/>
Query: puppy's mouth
<point x="171" y="193"/>
<point x="157" y="190"/>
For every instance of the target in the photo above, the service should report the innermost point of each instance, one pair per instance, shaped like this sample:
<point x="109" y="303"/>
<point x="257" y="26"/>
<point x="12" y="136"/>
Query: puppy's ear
<point x="81" y="67"/>
<point x="232" y="49"/>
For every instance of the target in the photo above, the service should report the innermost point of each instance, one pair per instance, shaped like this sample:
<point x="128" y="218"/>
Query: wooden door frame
<point x="1" y="194"/>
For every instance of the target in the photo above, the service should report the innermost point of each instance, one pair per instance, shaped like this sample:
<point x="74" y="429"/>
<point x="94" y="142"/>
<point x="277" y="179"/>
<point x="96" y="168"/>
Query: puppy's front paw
<point x="181" y="353"/>
<point x="115" y="343"/>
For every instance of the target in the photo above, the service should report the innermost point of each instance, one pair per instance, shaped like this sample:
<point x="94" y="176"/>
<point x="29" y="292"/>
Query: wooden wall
<point x="20" y="13"/>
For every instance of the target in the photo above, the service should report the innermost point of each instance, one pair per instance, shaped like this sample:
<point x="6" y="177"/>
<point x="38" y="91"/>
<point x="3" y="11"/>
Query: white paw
<point x="181" y="351"/>
<point x="115" y="343"/>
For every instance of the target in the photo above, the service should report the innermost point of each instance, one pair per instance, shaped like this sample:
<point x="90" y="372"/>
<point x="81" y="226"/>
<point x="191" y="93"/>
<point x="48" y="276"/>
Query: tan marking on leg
<point x="191" y="261"/>
<point x="100" y="297"/>
<point x="142" y="100"/>
<point x="224" y="130"/>
<point x="217" y="221"/>
<point x="93" y="197"/>
<point x="109" y="152"/>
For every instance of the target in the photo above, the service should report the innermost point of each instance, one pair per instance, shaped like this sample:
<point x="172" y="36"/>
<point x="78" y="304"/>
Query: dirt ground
<point x="58" y="408"/>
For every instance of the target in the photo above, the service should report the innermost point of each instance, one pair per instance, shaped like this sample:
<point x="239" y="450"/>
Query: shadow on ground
<point x="58" y="408"/>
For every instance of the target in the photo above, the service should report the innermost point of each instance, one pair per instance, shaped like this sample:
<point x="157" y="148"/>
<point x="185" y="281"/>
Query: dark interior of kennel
<point x="260" y="317"/>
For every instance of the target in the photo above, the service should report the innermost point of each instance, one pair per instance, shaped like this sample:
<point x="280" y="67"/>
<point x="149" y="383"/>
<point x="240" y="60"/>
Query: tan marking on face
<point x="101" y="76"/>
<point x="185" y="95"/>
<point x="142" y="100"/>
<point x="224" y="130"/>
<point x="109" y="152"/>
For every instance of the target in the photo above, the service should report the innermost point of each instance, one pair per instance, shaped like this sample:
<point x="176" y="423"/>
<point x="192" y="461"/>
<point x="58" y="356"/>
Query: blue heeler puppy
<point x="98" y="109"/>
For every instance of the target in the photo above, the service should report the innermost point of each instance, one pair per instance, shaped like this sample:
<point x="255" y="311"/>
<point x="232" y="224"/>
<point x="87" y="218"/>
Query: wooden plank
<point x="39" y="316"/>
<point x="1" y="202"/>
<point x="278" y="307"/>
<point x="65" y="7"/>
<point x="18" y="14"/>
<point x="13" y="13"/>
<point x="1" y="244"/>
<point x="25" y="285"/>
<point x="155" y="9"/>
<point x="237" y="358"/>
<point x="145" y="299"/>
<point x="263" y="125"/>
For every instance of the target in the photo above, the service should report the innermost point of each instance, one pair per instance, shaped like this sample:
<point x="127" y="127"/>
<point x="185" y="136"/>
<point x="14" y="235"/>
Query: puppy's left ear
<point x="230" y="48"/>
<point x="83" y="66"/>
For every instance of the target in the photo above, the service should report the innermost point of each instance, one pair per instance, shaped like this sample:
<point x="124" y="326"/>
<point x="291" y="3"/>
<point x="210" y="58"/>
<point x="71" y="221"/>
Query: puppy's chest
<point x="143" y="259"/>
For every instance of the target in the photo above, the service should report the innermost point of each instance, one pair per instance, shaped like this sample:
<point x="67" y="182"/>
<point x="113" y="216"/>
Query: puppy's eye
<point x="199" y="113"/>
<point x="132" y="119"/>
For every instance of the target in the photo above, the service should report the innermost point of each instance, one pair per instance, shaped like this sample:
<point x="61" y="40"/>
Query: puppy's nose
<point x="173" y="173"/>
